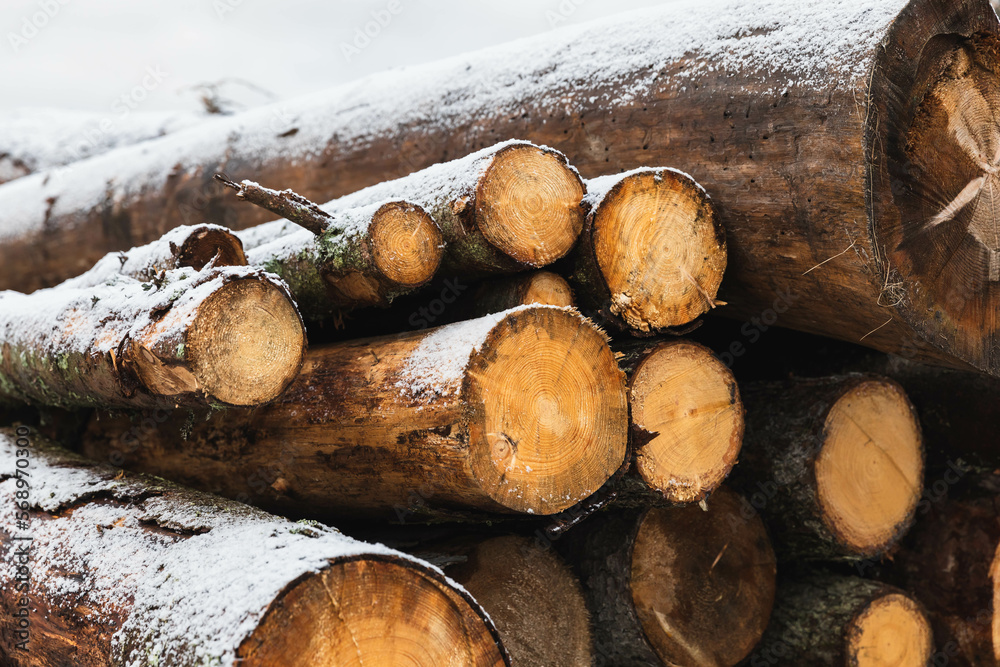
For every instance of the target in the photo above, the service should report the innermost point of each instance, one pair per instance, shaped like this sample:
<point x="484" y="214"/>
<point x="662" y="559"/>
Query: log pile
<point x="516" y="386"/>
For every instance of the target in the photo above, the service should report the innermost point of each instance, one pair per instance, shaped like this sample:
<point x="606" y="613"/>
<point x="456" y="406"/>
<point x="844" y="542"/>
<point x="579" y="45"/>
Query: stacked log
<point x="652" y="253"/>
<point x="950" y="561"/>
<point x="522" y="411"/>
<point x="528" y="591"/>
<point x="107" y="554"/>
<point x="670" y="586"/>
<point x="852" y="251"/>
<point x="849" y="153"/>
<point x="838" y="463"/>
<point x="686" y="417"/>
<point x="228" y="336"/>
<point x="834" y="620"/>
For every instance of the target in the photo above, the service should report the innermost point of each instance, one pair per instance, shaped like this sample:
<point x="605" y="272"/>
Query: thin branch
<point x="286" y="203"/>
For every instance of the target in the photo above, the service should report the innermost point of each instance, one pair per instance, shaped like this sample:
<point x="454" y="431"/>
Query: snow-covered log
<point x="826" y="133"/>
<point x="193" y="247"/>
<point x="519" y="412"/>
<point x="228" y="336"/>
<point x="105" y="568"/>
<point x="37" y="139"/>
<point x="364" y="256"/>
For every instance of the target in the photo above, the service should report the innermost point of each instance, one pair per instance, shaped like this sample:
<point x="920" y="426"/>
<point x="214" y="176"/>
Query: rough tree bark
<point x="838" y="621"/>
<point x="820" y="130"/>
<point x="836" y="464"/>
<point x="652" y="252"/>
<point x="523" y="411"/>
<point x="106" y="554"/>
<point x="686" y="417"/>
<point x="675" y="586"/>
<point x="529" y="592"/>
<point x="228" y="336"/>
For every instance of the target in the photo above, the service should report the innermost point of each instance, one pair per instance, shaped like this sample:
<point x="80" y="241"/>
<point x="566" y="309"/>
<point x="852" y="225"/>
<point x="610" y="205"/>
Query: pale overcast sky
<point x="85" y="54"/>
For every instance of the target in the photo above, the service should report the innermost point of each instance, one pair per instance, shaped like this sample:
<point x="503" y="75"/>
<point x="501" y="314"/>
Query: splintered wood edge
<point x="687" y="420"/>
<point x="548" y="413"/>
<point x="660" y="248"/>
<point x="407" y="246"/>
<point x="372" y="610"/>
<point x="207" y="244"/>
<point x="533" y="598"/>
<point x="869" y="471"/>
<point x="247" y="343"/>
<point x="892" y="630"/>
<point x="703" y="583"/>
<point x="528" y="204"/>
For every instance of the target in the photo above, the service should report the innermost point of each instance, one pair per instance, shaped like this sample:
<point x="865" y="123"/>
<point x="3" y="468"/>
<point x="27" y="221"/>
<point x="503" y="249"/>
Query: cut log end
<point x="547" y="288"/>
<point x="703" y="584"/>
<point x="550" y="416"/>
<point x="892" y="630"/>
<point x="660" y="249"/>
<point x="406" y="244"/>
<point x="533" y="598"/>
<point x="870" y="468"/>
<point x="687" y="420"/>
<point x="247" y="343"/>
<point x="944" y="162"/>
<point x="369" y="611"/>
<point x="211" y="245"/>
<point x="528" y="205"/>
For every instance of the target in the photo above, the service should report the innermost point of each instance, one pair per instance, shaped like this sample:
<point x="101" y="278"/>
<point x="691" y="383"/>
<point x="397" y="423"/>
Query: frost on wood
<point x="437" y="366"/>
<point x="819" y="49"/>
<point x="73" y="345"/>
<point x="38" y="139"/>
<point x="181" y="578"/>
<point x="142" y="262"/>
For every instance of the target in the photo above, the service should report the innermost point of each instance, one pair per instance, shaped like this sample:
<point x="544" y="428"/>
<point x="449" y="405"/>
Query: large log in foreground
<point x="686" y="417"/>
<point x="226" y="336"/>
<point x="834" y="464"/>
<point x="652" y="252"/>
<point x="107" y="555"/>
<point x="836" y="621"/>
<point x="523" y="411"/>
<point x="827" y="134"/>
<point x="675" y="585"/>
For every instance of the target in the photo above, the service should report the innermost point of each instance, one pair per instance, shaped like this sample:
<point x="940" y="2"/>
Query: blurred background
<point x="227" y="55"/>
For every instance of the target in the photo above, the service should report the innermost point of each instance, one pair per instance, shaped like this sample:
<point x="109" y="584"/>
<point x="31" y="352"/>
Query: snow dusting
<point x="816" y="44"/>
<point x="35" y="139"/>
<point x="202" y="571"/>
<point x="598" y="188"/>
<point x="437" y="366"/>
